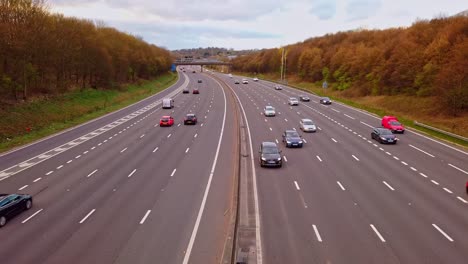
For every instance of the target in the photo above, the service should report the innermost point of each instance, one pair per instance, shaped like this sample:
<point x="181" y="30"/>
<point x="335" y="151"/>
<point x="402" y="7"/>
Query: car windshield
<point x="292" y="134"/>
<point x="292" y="99"/>
<point x="385" y="132"/>
<point x="308" y="122"/>
<point x="270" y="150"/>
<point x="269" y="108"/>
<point x="4" y="200"/>
<point x="395" y="123"/>
<point x="326" y="98"/>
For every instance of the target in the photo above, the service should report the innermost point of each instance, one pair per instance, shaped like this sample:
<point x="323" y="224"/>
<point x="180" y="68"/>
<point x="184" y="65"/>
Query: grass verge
<point x="28" y="122"/>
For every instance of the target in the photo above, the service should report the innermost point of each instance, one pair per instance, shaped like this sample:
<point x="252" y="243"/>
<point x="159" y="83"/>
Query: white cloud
<point x="244" y="24"/>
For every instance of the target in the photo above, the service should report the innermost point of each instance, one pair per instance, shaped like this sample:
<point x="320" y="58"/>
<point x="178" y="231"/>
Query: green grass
<point x="31" y="121"/>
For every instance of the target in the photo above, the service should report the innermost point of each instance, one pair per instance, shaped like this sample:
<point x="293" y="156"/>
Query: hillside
<point x="46" y="54"/>
<point x="427" y="62"/>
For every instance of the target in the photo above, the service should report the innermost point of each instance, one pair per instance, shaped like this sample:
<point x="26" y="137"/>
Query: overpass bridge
<point x="201" y="63"/>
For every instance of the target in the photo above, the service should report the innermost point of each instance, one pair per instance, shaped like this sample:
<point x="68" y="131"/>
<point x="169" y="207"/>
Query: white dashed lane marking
<point x="29" y="218"/>
<point x="24" y="187"/>
<point x="88" y="215"/>
<point x="130" y="175"/>
<point x="442" y="232"/>
<point x="377" y="233"/>
<point x="91" y="174"/>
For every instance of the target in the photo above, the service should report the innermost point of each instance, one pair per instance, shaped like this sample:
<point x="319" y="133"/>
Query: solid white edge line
<point x="144" y="217"/>
<point x="86" y="217"/>
<point x="317" y="234"/>
<point x="254" y="176"/>
<point x="131" y="173"/>
<point x="205" y="195"/>
<point x="442" y="232"/>
<point x="388" y="185"/>
<point x="377" y="232"/>
<point x="455" y="167"/>
<point x="341" y="186"/>
<point x="29" y="218"/>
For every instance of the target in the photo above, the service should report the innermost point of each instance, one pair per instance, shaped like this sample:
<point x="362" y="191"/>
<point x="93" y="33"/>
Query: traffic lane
<point x="382" y="148"/>
<point x="380" y="168"/>
<point x="64" y="188"/>
<point x="188" y="183"/>
<point x="61" y="161"/>
<point x="275" y="247"/>
<point x="209" y="243"/>
<point x="10" y="158"/>
<point x="438" y="170"/>
<point x="12" y="171"/>
<point x="375" y="121"/>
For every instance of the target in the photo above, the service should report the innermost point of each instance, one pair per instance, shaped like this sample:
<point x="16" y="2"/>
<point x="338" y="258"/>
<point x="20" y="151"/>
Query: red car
<point x="166" y="121"/>
<point x="391" y="122"/>
<point x="195" y="91"/>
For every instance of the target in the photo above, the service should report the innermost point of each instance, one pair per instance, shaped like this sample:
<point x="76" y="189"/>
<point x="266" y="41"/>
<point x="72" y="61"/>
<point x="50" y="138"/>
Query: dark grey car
<point x="325" y="101"/>
<point x="270" y="155"/>
<point x="13" y="204"/>
<point x="384" y="135"/>
<point x="292" y="139"/>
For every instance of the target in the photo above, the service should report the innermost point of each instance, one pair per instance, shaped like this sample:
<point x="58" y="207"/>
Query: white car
<point x="269" y="111"/>
<point x="293" y="101"/>
<point x="255" y="79"/>
<point x="307" y="125"/>
<point x="230" y="75"/>
<point x="245" y="81"/>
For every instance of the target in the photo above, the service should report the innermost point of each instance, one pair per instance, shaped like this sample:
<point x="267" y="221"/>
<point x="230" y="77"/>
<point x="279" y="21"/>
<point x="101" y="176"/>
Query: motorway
<point x="121" y="189"/>
<point x="343" y="197"/>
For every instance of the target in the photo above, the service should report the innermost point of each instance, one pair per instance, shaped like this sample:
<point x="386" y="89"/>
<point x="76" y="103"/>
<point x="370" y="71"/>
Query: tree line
<point x="45" y="53"/>
<point x="429" y="58"/>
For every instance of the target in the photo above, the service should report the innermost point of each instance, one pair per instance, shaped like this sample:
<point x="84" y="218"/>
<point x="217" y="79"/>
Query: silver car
<point x="269" y="111"/>
<point x="307" y="125"/>
<point x="293" y="101"/>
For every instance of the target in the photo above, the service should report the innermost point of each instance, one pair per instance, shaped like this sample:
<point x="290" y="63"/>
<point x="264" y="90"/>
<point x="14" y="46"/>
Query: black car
<point x="195" y="91"/>
<point x="193" y="71"/>
<point x="304" y="98"/>
<point x="292" y="139"/>
<point x="384" y="135"/>
<point x="270" y="155"/>
<point x="190" y="119"/>
<point x="325" y="101"/>
<point x="199" y="81"/>
<point x="13" y="204"/>
<point x="185" y="90"/>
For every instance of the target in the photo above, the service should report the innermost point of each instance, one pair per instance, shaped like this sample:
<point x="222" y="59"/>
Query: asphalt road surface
<point x="121" y="189"/>
<point x="345" y="198"/>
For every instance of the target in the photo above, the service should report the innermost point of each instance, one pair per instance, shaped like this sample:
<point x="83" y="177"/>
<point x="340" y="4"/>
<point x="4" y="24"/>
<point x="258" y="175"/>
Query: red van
<point x="392" y="123"/>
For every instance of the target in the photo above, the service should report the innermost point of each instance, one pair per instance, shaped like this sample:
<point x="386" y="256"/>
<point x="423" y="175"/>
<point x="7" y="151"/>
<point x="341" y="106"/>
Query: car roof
<point x="382" y="129"/>
<point x="268" y="144"/>
<point x="325" y="98"/>
<point x="306" y="120"/>
<point x="268" y="106"/>
<point x="166" y="116"/>
<point x="292" y="98"/>
<point x="290" y="131"/>
<point x="190" y="114"/>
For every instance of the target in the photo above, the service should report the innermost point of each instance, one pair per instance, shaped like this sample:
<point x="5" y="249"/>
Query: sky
<point x="250" y="24"/>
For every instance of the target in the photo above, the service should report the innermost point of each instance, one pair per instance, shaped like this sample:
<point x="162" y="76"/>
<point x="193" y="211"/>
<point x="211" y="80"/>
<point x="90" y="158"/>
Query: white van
<point x="167" y="103"/>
